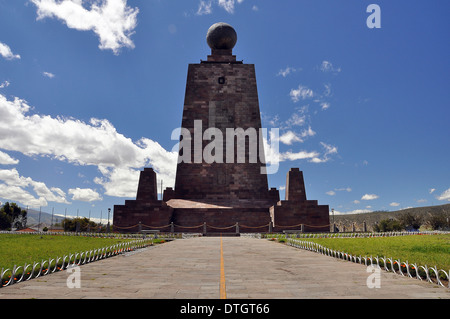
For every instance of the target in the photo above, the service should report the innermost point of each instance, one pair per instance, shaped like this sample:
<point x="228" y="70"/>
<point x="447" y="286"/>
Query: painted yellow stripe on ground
<point x="222" y="290"/>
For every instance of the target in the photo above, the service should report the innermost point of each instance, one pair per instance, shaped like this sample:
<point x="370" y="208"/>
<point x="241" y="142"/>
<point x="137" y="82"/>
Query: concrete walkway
<point x="252" y="268"/>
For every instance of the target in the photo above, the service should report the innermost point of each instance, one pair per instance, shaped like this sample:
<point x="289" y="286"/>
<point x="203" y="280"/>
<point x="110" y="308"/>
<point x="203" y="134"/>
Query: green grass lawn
<point x="430" y="250"/>
<point x="21" y="249"/>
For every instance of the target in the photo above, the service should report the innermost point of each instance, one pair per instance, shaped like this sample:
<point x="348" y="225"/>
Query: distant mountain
<point x="375" y="217"/>
<point x="45" y="219"/>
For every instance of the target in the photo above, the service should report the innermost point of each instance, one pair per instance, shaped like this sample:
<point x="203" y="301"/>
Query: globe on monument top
<point x="221" y="36"/>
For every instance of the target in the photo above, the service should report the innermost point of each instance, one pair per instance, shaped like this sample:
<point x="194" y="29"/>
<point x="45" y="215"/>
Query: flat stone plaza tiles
<point x="220" y="184"/>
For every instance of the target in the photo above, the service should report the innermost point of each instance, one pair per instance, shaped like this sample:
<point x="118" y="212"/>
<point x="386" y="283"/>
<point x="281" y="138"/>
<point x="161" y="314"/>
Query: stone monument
<point x="220" y="185"/>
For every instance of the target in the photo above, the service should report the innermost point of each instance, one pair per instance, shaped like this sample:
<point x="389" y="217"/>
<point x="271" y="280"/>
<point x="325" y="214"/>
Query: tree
<point x="12" y="216"/>
<point x="410" y="221"/>
<point x="83" y="224"/>
<point x="386" y="225"/>
<point x="437" y="221"/>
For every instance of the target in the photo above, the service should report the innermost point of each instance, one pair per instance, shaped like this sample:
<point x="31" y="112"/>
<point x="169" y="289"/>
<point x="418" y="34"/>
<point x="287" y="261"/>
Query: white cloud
<point x="5" y="51"/>
<point x="356" y="211"/>
<point x="292" y="156"/>
<point x="327" y="66"/>
<point x="329" y="149"/>
<point x="204" y="7"/>
<point x="356" y="201"/>
<point x="325" y="105"/>
<point x="4" y="84"/>
<point x="5" y="159"/>
<point x="273" y="156"/>
<point x="308" y="132"/>
<point x="394" y="204"/>
<point x="48" y="75"/>
<point x="444" y="196"/>
<point x="112" y="20"/>
<point x="84" y="194"/>
<point x="369" y="197"/>
<point x="301" y="93"/>
<point x="18" y="188"/>
<point x="331" y="193"/>
<point x="296" y="120"/>
<point x="327" y="91"/>
<point x="346" y="189"/>
<point x="96" y="143"/>
<point x="228" y="5"/>
<point x="290" y="137"/>
<point x="285" y="72"/>
<point x="432" y="190"/>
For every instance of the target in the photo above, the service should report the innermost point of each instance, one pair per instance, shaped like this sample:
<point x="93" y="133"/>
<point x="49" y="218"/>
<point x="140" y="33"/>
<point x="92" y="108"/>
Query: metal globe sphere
<point x="221" y="36"/>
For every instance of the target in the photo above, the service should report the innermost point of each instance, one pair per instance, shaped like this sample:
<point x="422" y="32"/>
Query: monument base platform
<point x="215" y="216"/>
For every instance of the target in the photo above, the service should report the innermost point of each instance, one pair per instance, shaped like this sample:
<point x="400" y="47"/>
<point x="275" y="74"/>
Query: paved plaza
<point x="214" y="267"/>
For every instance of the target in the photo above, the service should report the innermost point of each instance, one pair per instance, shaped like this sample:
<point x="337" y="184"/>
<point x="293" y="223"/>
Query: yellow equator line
<point x="222" y="289"/>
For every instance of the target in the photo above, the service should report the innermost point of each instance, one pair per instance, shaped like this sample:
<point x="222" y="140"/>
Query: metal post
<point x="39" y="223"/>
<point x="334" y="225"/>
<point x="109" y="211"/>
<point x="270" y="226"/>
<point x="204" y="228"/>
<point x="51" y="224"/>
<point x="172" y="228"/>
<point x="237" y="228"/>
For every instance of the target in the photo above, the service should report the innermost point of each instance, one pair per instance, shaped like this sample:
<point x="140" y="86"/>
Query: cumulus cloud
<point x="394" y="204"/>
<point x="5" y="51"/>
<point x="444" y="196"/>
<point x="84" y="194"/>
<point x="112" y="20"/>
<point x="96" y="143"/>
<point x="5" y="159"/>
<point x="369" y="197"/>
<point x="290" y="137"/>
<point x="18" y="188"/>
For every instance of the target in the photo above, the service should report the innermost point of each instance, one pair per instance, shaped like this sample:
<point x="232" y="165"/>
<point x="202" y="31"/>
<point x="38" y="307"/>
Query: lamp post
<point x="109" y="210"/>
<point x="334" y="226"/>
<point x="39" y="222"/>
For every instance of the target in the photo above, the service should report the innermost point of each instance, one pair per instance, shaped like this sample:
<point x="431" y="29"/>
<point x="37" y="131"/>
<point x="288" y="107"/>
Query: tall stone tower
<point x="220" y="183"/>
<point x="221" y="94"/>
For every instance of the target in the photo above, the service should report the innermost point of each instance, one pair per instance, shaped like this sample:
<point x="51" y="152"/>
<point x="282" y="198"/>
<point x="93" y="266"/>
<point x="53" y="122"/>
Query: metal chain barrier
<point x="430" y="274"/>
<point x="37" y="269"/>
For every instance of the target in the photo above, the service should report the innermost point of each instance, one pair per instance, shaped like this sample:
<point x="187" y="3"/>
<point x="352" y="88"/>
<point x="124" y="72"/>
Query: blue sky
<point x="90" y="92"/>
